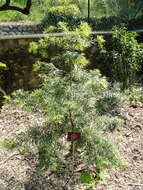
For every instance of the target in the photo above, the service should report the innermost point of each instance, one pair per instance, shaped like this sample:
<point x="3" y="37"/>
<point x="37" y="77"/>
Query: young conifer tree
<point x="67" y="96"/>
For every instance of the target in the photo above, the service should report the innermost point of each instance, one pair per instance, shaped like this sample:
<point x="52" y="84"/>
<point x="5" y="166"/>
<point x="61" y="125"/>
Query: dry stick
<point x="135" y="184"/>
<point x="2" y="91"/>
<point x="73" y="153"/>
<point x="68" y="180"/>
<point x="10" y="157"/>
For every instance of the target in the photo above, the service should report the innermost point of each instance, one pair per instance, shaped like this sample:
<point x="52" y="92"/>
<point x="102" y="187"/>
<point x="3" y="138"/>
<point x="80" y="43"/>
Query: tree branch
<point x="25" y="10"/>
<point x="71" y="120"/>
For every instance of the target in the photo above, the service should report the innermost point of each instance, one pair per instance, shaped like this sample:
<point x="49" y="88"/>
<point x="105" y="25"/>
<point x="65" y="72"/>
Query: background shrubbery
<point x="123" y="58"/>
<point x="68" y="13"/>
<point x="104" y="14"/>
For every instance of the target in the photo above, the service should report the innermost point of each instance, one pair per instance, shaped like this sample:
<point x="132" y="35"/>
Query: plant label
<point x="73" y="136"/>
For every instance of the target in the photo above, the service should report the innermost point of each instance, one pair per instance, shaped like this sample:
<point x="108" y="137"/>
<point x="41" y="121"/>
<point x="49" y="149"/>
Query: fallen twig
<point x="135" y="184"/>
<point x="2" y="91"/>
<point x="10" y="157"/>
<point x="68" y="180"/>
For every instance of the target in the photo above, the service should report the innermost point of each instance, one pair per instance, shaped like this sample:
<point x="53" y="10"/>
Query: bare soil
<point x="18" y="172"/>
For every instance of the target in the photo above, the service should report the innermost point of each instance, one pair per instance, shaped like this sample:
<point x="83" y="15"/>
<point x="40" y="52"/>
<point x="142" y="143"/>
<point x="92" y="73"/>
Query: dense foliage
<point x="72" y="99"/>
<point x="68" y="13"/>
<point x="125" y="56"/>
<point x="104" y="14"/>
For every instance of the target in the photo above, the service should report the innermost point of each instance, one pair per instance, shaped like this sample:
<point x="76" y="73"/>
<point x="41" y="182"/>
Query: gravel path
<point x="16" y="173"/>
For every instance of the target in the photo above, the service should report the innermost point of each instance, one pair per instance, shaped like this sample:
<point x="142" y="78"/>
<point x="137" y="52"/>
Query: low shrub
<point x="124" y="56"/>
<point x="109" y="102"/>
<point x="109" y="123"/>
<point x="134" y="95"/>
<point x="67" y="13"/>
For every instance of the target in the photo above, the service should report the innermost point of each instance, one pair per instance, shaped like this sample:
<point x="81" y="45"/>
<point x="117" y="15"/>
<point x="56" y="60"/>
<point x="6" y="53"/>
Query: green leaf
<point x="90" y="188"/>
<point x="2" y="64"/>
<point x="102" y="174"/>
<point x="86" y="177"/>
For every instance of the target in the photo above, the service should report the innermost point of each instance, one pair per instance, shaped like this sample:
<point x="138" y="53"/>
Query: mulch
<point x="18" y="172"/>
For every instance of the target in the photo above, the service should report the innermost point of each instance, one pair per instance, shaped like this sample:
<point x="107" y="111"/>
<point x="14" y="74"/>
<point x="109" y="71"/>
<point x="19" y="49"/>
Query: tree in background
<point x="104" y="12"/>
<point x="7" y="6"/>
<point x="126" y="8"/>
<point x="98" y="8"/>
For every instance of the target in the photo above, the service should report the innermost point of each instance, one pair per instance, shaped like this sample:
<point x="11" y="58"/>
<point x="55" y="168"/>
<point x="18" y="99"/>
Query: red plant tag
<point x="74" y="136"/>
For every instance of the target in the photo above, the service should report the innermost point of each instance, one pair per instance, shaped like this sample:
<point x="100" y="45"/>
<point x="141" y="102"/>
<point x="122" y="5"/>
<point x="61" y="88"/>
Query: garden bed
<point x="18" y="172"/>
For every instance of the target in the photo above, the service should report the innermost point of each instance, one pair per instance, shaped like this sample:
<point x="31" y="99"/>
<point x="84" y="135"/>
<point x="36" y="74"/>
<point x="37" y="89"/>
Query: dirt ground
<point x="17" y="173"/>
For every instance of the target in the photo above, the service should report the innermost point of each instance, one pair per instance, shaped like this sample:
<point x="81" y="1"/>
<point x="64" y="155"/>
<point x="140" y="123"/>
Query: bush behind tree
<point x="125" y="56"/>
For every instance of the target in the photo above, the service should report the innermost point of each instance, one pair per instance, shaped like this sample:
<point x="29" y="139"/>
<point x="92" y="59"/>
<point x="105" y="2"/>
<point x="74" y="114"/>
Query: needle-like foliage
<point x="68" y="97"/>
